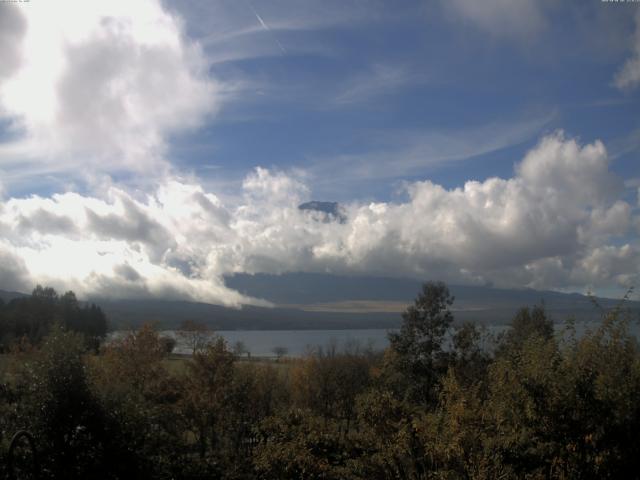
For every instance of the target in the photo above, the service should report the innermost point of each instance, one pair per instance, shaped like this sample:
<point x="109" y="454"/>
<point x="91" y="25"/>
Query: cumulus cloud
<point x="97" y="84"/>
<point x="13" y="272"/>
<point x="263" y="186"/>
<point x="558" y="222"/>
<point x="629" y="75"/>
<point x="610" y="262"/>
<point x="120" y="246"/>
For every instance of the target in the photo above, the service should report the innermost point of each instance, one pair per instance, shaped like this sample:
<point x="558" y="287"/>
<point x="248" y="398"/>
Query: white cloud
<point x="629" y="75"/>
<point x="264" y="187"/>
<point x="12" y="29"/>
<point x="563" y="167"/>
<point x="98" y="84"/>
<point x="13" y="272"/>
<point x="99" y="87"/>
<point x="619" y="264"/>
<point x="605" y="222"/>
<point x="551" y="225"/>
<point x="398" y="155"/>
<point x="121" y="246"/>
<point x="509" y="18"/>
<point x="233" y="32"/>
<point x="380" y="79"/>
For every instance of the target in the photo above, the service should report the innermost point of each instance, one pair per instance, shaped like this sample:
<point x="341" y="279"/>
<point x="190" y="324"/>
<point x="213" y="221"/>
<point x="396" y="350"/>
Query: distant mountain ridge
<point x="308" y="301"/>
<point x="303" y="287"/>
<point x="7" y="296"/>
<point x="484" y="304"/>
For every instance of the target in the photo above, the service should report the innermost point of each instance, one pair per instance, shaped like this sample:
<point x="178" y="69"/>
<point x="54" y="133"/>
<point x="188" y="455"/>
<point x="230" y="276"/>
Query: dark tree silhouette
<point x="417" y="350"/>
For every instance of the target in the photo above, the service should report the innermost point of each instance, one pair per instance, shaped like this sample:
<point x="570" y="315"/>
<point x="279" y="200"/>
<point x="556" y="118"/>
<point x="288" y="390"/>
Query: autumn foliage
<point x="444" y="401"/>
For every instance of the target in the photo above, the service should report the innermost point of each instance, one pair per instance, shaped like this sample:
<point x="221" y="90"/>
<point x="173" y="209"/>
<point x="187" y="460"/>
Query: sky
<point x="149" y="148"/>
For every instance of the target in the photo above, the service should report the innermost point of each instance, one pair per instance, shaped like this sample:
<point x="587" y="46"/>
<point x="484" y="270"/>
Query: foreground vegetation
<point x="434" y="405"/>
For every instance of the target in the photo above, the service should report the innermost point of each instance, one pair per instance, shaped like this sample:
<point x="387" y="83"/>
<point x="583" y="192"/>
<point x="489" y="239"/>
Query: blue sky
<point x="470" y="97"/>
<point x="149" y="149"/>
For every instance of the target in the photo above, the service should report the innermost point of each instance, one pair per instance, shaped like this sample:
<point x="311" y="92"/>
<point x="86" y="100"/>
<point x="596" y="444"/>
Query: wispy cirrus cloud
<point x="232" y="31"/>
<point x="399" y="154"/>
<point x="378" y="80"/>
<point x="504" y="18"/>
<point x="628" y="76"/>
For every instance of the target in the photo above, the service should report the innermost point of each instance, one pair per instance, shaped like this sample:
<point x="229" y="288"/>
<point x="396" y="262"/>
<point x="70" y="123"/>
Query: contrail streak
<point x="266" y="27"/>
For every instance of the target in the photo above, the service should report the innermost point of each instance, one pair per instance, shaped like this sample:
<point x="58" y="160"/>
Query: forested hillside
<point x="28" y="319"/>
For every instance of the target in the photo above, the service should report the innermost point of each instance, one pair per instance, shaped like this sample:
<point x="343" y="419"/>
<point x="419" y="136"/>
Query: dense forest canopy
<point x="539" y="405"/>
<point x="29" y="319"/>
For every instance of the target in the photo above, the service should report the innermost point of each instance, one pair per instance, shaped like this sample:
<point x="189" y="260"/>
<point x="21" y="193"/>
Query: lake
<point x="261" y="343"/>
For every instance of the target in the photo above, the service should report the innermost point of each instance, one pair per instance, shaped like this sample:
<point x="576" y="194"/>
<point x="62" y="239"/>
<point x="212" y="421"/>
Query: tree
<point x="132" y="382"/>
<point x="469" y="359"/>
<point x="207" y="393"/>
<point x="32" y="318"/>
<point x="168" y="344"/>
<point x="44" y="294"/>
<point x="298" y="444"/>
<point x="90" y="320"/>
<point x="62" y="411"/>
<point x="132" y="361"/>
<point x="239" y="348"/>
<point x="416" y="351"/>
<point x="388" y="437"/>
<point x="196" y="335"/>
<point x="328" y="383"/>
<point x="280" y="351"/>
<point x="525" y="324"/>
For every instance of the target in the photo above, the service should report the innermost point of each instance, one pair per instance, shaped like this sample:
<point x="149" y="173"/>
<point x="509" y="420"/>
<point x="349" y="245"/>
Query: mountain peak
<point x="329" y="211"/>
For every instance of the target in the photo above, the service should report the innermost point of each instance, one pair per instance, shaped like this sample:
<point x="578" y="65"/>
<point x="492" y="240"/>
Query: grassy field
<point x="175" y="364"/>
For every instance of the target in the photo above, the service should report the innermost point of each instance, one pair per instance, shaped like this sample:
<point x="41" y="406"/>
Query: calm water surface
<point x="261" y="343"/>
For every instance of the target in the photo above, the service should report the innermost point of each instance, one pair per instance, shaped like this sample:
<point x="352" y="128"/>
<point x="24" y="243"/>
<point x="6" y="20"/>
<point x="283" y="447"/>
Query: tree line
<point x="28" y="320"/>
<point x="436" y="404"/>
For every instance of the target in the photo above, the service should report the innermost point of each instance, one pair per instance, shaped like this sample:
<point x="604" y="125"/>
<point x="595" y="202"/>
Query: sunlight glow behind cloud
<point x="100" y="85"/>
